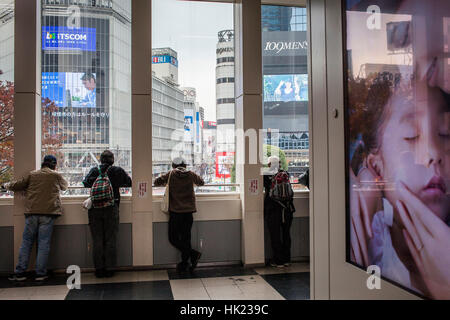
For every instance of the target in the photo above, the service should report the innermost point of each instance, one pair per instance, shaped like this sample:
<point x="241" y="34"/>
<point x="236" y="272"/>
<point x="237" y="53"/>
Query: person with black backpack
<point x="105" y="182"/>
<point x="278" y="210"/>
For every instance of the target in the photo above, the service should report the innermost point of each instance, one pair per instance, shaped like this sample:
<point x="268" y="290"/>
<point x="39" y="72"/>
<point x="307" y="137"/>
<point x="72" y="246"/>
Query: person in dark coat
<point x="104" y="222"/>
<point x="181" y="207"/>
<point x="279" y="219"/>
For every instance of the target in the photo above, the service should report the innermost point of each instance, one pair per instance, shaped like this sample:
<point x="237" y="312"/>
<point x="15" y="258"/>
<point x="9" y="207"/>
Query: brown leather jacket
<point x="181" y="189"/>
<point x="42" y="188"/>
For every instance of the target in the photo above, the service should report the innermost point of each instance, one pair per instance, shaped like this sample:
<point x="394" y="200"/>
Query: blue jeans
<point x="40" y="227"/>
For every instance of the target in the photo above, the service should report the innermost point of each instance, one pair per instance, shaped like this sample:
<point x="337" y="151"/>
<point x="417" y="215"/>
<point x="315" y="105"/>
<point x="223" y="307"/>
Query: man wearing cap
<point x="181" y="207"/>
<point x="43" y="205"/>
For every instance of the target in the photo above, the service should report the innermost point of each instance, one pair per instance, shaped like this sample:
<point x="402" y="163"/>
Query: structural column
<point x="27" y="101"/>
<point x="248" y="92"/>
<point x="318" y="122"/>
<point x="141" y="83"/>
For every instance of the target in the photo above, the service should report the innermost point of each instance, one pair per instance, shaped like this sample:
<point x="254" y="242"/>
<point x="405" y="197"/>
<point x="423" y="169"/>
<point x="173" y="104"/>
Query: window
<point x="6" y="91"/>
<point x="285" y="76"/>
<point x="193" y="89"/>
<point x="86" y="84"/>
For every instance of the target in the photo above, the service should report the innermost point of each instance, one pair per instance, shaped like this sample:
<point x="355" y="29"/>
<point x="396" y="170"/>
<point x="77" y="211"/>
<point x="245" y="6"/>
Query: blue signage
<point x="64" y="38"/>
<point x="165" y="59"/>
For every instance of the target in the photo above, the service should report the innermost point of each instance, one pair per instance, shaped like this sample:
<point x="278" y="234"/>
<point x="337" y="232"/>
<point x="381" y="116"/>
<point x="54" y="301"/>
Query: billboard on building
<point x="70" y="89"/>
<point x="64" y="38"/>
<point x="224" y="164"/>
<point x="188" y="125"/>
<point x="286" y="88"/>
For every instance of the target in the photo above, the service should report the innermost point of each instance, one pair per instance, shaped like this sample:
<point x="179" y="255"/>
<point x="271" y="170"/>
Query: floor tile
<point x="293" y="268"/>
<point x="211" y="272"/>
<point x="22" y="293"/>
<point x="292" y="286"/>
<point x="228" y="281"/>
<point x="188" y="289"/>
<point x="151" y="290"/>
<point x="48" y="297"/>
<point x="126" y="276"/>
<point x="226" y="292"/>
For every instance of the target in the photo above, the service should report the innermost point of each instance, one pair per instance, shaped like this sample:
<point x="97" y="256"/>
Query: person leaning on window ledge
<point x="43" y="205"/>
<point x="181" y="207"/>
<point x="104" y="222"/>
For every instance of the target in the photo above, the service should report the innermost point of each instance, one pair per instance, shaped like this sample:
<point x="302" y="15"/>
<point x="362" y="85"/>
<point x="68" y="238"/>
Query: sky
<point x="191" y="28"/>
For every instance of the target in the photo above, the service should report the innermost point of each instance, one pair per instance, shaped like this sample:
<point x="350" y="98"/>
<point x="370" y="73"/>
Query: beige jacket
<point x="42" y="188"/>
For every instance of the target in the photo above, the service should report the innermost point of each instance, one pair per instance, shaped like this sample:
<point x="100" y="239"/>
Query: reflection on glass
<point x="398" y="134"/>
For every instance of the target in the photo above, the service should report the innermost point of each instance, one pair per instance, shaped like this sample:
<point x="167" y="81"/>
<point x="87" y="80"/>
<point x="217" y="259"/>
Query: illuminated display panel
<point x="398" y="142"/>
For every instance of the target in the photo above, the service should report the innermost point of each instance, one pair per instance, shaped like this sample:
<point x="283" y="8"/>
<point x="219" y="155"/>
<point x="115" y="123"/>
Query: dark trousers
<point x="180" y="225"/>
<point x="104" y="225"/>
<point x="280" y="237"/>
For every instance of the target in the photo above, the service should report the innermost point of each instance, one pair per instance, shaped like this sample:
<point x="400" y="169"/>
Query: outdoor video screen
<point x="398" y="142"/>
<point x="69" y="39"/>
<point x="69" y="89"/>
<point x="286" y="88"/>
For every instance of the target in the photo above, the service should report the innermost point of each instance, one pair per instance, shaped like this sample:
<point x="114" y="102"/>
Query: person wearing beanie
<point x="42" y="206"/>
<point x="181" y="207"/>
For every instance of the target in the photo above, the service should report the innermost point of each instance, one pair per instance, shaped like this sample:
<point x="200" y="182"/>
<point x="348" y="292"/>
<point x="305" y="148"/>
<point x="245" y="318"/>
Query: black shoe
<point x="100" y="273"/>
<point x="41" y="278"/>
<point x="17" y="277"/>
<point x="182" y="267"/>
<point x="195" y="257"/>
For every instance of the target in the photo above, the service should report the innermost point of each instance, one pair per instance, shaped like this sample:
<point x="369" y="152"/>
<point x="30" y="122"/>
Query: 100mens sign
<point x="285" y="43"/>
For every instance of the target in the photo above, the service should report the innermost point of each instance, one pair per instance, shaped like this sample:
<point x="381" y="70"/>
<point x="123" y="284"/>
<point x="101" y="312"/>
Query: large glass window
<point x="6" y="91"/>
<point x="86" y="84"/>
<point x="193" y="89"/>
<point x="285" y="76"/>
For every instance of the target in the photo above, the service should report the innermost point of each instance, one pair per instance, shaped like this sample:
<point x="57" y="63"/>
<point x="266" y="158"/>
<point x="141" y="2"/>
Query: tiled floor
<point x="222" y="283"/>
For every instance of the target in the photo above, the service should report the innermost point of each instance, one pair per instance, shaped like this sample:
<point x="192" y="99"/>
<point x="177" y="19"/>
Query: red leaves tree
<point x="52" y="137"/>
<point x="6" y="130"/>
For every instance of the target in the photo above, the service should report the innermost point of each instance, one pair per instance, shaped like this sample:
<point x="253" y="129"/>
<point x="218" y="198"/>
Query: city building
<point x="225" y="104"/>
<point x="209" y="133"/>
<point x="285" y="65"/>
<point x="85" y="75"/>
<point x="192" y="128"/>
<point x="168" y="114"/>
<point x="7" y="40"/>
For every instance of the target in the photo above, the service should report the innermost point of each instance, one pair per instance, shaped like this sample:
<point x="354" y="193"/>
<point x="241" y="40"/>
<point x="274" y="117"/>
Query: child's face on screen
<point x="415" y="148"/>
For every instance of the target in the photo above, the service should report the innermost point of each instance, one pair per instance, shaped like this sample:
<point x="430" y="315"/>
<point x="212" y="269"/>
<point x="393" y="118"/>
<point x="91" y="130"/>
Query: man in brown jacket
<point x="181" y="207"/>
<point x="43" y="206"/>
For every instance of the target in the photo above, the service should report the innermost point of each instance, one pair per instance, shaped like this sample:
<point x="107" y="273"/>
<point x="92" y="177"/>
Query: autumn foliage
<point x="52" y="137"/>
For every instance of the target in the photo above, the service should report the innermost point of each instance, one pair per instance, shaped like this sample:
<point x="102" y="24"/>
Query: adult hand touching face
<point x="363" y="205"/>
<point x="428" y="240"/>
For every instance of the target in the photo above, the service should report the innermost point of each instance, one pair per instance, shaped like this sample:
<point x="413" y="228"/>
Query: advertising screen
<point x="398" y="143"/>
<point x="285" y="88"/>
<point x="64" y="38"/>
<point x="68" y="89"/>
<point x="188" y="125"/>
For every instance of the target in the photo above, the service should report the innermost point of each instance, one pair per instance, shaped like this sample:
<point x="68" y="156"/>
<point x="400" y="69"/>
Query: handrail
<point x="153" y="186"/>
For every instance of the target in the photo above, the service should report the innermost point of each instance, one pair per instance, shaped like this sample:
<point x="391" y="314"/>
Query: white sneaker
<point x="41" y="278"/>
